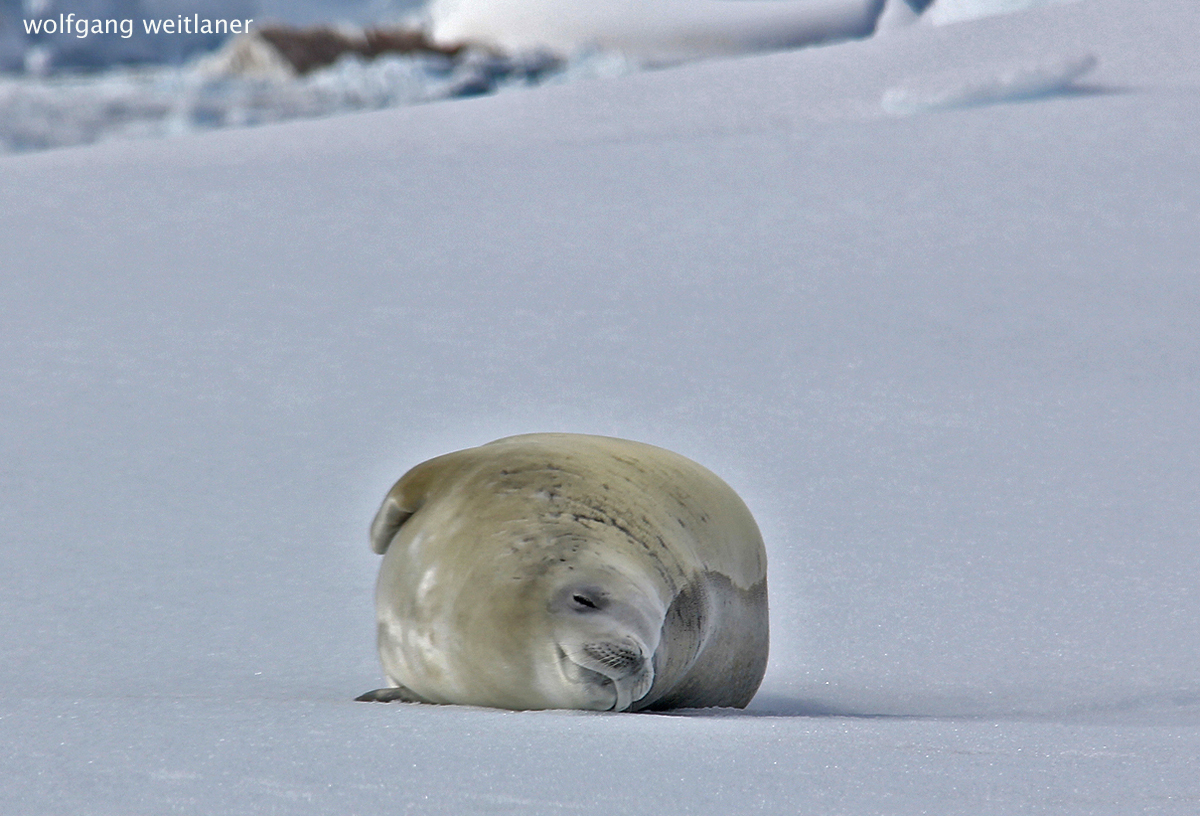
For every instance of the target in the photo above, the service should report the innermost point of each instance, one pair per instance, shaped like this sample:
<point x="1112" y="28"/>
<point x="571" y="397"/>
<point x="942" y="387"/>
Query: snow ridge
<point x="988" y="85"/>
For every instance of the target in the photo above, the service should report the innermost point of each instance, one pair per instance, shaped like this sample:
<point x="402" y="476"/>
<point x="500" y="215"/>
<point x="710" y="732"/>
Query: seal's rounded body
<point x="569" y="571"/>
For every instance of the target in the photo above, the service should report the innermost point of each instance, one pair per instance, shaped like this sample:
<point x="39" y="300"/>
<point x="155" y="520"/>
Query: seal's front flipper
<point x="392" y="694"/>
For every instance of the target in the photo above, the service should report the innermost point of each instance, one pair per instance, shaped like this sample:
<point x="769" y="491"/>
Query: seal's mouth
<point x="621" y="670"/>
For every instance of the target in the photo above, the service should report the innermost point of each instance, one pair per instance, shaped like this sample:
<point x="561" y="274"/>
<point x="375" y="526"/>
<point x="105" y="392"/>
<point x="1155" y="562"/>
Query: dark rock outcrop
<point x="308" y="49"/>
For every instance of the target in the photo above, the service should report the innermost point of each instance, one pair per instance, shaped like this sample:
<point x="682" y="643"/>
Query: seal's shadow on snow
<point x="773" y="705"/>
<point x="1175" y="706"/>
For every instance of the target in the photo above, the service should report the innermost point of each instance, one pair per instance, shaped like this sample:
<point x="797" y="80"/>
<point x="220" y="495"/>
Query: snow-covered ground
<point x="927" y="301"/>
<point x="175" y="86"/>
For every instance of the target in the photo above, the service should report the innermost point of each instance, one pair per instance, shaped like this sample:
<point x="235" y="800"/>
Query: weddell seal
<point x="569" y="571"/>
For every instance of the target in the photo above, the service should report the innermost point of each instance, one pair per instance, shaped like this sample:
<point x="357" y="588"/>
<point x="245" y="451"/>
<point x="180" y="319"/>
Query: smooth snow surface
<point x="950" y="359"/>
<point x="954" y="11"/>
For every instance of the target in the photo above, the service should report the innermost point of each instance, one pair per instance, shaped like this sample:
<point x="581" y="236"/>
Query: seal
<point x="569" y="571"/>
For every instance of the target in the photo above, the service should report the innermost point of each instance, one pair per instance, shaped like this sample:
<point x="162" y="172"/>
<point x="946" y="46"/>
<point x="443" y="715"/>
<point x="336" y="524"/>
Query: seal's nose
<point x="624" y="665"/>
<point x="619" y="658"/>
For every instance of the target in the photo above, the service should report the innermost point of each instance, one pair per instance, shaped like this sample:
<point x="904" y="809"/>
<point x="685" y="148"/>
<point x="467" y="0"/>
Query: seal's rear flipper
<point x="407" y="496"/>
<point x="392" y="694"/>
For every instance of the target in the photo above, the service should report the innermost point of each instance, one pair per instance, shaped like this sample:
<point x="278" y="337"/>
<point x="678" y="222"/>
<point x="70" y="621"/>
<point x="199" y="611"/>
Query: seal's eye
<point x="585" y="601"/>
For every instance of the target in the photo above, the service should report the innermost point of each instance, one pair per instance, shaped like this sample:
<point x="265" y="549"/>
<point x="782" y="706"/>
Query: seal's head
<point x="605" y="631"/>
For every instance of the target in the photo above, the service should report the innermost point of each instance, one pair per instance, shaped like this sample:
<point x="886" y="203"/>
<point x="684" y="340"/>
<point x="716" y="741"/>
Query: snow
<point x="954" y="11"/>
<point x="949" y="358"/>
<point x="659" y="30"/>
<point x="246" y="83"/>
<point x="539" y="42"/>
<point x="1005" y="84"/>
